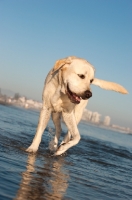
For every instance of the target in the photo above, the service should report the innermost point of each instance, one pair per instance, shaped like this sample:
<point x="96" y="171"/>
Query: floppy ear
<point x="109" y="86"/>
<point x="60" y="63"/>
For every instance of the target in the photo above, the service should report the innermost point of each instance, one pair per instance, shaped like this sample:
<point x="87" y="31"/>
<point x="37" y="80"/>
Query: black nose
<point x="87" y="94"/>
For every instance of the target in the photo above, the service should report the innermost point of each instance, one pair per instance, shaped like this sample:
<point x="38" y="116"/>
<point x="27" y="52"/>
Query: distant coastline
<point x="22" y="101"/>
<point x="107" y="127"/>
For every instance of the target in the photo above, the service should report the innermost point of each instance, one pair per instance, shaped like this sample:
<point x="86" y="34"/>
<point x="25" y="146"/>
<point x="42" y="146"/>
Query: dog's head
<point x="76" y="75"/>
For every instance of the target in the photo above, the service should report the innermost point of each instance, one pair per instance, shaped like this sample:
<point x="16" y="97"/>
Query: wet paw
<point x="60" y="150"/>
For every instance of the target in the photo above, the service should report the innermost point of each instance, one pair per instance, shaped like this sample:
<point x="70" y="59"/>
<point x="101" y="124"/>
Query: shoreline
<point x="38" y="108"/>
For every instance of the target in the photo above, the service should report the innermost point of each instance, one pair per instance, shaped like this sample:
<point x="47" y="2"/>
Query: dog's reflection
<point x="47" y="182"/>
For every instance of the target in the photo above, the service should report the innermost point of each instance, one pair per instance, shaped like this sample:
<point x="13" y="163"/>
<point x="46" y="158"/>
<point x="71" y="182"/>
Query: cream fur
<point x="109" y="86"/>
<point x="67" y="84"/>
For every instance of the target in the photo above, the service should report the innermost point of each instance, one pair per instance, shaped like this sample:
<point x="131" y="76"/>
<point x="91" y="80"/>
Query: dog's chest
<point x="63" y="104"/>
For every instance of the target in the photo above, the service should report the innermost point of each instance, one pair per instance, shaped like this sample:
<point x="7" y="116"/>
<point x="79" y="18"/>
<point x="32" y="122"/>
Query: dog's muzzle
<point x="76" y="98"/>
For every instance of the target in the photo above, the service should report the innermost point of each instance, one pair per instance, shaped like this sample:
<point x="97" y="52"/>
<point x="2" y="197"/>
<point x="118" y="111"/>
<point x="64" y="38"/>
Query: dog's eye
<point x="91" y="80"/>
<point x="81" y="76"/>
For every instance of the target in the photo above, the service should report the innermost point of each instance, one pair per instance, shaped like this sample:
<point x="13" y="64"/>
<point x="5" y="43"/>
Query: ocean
<point x="98" y="168"/>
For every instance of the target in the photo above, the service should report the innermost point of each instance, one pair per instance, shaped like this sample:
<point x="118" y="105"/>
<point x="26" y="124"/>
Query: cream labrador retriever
<point x="66" y="93"/>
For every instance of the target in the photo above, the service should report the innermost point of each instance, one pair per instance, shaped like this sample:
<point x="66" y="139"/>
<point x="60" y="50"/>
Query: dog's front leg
<point x="56" y="117"/>
<point x="70" y="121"/>
<point x="43" y="121"/>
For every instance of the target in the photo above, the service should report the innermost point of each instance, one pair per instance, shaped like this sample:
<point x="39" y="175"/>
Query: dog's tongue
<point x="76" y="97"/>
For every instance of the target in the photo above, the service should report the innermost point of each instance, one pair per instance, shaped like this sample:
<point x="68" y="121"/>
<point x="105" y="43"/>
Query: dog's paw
<point x="62" y="148"/>
<point x="32" y="148"/>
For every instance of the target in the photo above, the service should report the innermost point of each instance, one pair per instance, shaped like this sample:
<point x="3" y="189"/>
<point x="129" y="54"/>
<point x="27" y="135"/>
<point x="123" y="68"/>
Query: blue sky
<point x="34" y="34"/>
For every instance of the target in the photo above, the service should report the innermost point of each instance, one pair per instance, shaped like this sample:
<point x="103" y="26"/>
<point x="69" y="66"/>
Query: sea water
<point x="99" y="167"/>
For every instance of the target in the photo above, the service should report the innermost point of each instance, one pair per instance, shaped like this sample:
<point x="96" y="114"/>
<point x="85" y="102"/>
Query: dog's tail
<point x="109" y="86"/>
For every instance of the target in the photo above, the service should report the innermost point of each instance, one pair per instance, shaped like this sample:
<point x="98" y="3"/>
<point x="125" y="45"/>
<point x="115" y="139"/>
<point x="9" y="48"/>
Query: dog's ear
<point x="109" y="86"/>
<point x="60" y="63"/>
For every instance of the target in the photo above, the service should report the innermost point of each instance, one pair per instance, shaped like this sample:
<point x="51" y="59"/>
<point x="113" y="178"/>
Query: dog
<point x="66" y="93"/>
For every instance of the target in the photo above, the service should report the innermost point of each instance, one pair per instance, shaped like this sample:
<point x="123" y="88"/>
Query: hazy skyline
<point x="34" y="34"/>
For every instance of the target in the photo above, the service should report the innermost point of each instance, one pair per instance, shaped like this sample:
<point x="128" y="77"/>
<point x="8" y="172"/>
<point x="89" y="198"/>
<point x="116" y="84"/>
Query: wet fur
<point x="57" y="104"/>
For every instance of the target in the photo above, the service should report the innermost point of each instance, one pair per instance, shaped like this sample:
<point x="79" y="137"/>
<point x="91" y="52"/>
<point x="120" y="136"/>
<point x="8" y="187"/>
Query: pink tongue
<point x="76" y="97"/>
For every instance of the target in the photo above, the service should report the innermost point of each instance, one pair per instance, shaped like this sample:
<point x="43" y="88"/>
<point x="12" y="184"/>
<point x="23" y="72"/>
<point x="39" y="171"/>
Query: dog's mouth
<point x="73" y="96"/>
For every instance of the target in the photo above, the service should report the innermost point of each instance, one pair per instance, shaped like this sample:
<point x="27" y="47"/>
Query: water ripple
<point x="93" y="169"/>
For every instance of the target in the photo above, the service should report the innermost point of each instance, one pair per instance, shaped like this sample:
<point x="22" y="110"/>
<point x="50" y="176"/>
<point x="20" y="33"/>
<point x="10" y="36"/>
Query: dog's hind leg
<point x="56" y="117"/>
<point x="43" y="121"/>
<point x="66" y="138"/>
<point x="78" y="111"/>
<point x="70" y="121"/>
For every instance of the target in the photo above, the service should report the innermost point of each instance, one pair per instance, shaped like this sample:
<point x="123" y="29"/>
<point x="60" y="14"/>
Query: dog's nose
<point x="87" y="94"/>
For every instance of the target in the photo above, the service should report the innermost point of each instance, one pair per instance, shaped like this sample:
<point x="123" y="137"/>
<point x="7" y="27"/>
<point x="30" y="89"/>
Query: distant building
<point x="107" y="121"/>
<point x="95" y="117"/>
<point x="22" y="99"/>
<point x="87" y="115"/>
<point x="91" y="116"/>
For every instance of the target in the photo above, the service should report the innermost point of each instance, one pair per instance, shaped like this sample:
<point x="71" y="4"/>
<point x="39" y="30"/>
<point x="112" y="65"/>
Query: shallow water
<point x="99" y="167"/>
